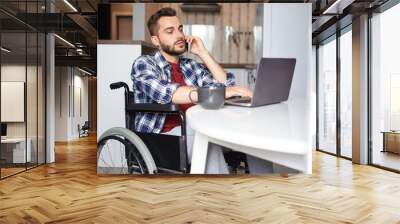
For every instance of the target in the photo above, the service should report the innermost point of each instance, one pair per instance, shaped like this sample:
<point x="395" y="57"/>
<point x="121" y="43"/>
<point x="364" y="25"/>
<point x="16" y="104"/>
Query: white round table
<point x="280" y="133"/>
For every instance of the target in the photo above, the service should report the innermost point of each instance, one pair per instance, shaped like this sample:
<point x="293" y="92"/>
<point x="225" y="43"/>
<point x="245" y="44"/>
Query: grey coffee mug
<point x="212" y="97"/>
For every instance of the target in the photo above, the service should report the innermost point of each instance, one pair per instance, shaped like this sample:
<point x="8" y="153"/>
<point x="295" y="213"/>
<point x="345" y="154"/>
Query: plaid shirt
<point x="151" y="76"/>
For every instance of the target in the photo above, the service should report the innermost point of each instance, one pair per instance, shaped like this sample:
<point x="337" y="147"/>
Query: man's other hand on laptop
<point x="238" y="91"/>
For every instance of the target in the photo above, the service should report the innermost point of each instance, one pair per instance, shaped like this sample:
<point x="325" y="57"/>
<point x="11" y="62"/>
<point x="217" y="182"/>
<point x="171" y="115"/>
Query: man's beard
<point x="171" y="49"/>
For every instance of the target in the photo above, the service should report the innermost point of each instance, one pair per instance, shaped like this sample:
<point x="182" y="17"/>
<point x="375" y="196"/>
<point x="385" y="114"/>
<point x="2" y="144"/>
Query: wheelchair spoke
<point x="102" y="159"/>
<point x="102" y="156"/>
<point x="109" y="154"/>
<point x="121" y="158"/>
<point x="122" y="152"/>
<point x="136" y="166"/>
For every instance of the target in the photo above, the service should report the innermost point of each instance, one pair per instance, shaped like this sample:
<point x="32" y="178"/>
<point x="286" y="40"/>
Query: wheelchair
<point x="122" y="150"/>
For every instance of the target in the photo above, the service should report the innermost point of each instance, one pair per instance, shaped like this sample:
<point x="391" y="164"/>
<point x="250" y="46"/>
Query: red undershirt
<point x="172" y="120"/>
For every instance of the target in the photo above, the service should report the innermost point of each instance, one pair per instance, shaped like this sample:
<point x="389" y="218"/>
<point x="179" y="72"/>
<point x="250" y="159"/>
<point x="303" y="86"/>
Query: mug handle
<point x="190" y="93"/>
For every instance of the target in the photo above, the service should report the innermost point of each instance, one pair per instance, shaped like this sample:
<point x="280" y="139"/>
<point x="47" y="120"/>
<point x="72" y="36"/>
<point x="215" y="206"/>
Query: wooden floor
<point x="69" y="191"/>
<point x="10" y="171"/>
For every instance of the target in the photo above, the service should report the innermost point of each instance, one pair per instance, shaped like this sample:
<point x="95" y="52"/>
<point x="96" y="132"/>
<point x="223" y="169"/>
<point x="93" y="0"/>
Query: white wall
<point x="114" y="63"/>
<point x="80" y="83"/>
<point x="61" y="103"/>
<point x="17" y="73"/>
<point x="287" y="33"/>
<point x="68" y="79"/>
<point x="13" y="76"/>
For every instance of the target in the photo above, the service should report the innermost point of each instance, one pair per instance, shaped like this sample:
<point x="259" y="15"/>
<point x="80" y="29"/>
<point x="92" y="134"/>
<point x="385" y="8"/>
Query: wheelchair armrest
<point x="159" y="108"/>
<point x="150" y="107"/>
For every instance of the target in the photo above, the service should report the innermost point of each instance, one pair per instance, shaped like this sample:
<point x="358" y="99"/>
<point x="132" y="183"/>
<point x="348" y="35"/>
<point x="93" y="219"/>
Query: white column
<point x="50" y="99"/>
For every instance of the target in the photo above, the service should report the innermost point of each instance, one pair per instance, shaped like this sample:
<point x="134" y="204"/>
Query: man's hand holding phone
<point x="195" y="45"/>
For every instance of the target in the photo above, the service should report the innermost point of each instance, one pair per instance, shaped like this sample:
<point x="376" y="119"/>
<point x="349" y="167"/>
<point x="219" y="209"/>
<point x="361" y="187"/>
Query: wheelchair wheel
<point x="118" y="156"/>
<point x="121" y="151"/>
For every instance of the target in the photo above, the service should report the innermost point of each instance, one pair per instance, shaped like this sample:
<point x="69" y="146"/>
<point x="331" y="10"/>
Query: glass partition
<point x="327" y="96"/>
<point x="385" y="89"/>
<point x="15" y="150"/>
<point x="22" y="79"/>
<point x="346" y="94"/>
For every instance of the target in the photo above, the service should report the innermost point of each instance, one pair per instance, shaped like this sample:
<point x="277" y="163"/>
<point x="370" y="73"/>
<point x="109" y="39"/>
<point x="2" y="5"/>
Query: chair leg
<point x="237" y="161"/>
<point x="246" y="167"/>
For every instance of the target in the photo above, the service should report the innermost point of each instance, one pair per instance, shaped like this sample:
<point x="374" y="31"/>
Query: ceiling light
<point x="70" y="5"/>
<point x="5" y="50"/>
<point x="337" y="7"/>
<point x="64" y="40"/>
<point x="84" y="71"/>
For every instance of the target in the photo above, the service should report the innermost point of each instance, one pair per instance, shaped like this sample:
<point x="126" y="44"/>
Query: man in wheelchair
<point x="167" y="77"/>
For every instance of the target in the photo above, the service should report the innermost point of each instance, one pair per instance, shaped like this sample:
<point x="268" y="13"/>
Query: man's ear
<point x="155" y="41"/>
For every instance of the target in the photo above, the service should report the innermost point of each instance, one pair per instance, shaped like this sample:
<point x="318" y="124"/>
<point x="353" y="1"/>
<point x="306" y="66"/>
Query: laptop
<point x="274" y="78"/>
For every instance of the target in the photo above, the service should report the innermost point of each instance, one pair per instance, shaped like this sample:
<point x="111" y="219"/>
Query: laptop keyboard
<point x="240" y="99"/>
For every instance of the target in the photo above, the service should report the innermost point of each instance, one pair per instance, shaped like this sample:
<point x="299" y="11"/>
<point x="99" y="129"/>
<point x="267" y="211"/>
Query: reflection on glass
<point x="346" y="94"/>
<point x="327" y="97"/>
<point x="386" y="89"/>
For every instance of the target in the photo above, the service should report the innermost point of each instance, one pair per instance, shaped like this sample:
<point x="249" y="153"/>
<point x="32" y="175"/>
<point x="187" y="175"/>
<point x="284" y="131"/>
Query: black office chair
<point x="125" y="151"/>
<point x="84" y="129"/>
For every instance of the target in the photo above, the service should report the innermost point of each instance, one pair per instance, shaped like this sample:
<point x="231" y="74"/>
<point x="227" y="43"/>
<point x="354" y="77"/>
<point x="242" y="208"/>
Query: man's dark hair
<point x="153" y="20"/>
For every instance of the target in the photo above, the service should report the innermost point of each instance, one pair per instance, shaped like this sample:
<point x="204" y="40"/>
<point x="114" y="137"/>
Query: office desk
<point x="280" y="133"/>
<point x="391" y="141"/>
<point x="16" y="147"/>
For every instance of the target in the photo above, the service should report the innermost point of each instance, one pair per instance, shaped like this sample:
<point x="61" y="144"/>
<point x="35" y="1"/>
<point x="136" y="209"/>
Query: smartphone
<point x="187" y="46"/>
